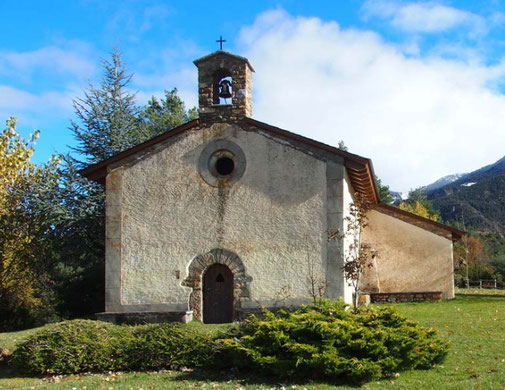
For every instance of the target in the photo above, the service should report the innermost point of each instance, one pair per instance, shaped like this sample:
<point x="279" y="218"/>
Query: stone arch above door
<point x="197" y="268"/>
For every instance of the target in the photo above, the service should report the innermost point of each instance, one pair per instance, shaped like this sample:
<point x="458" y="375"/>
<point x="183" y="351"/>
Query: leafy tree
<point x="418" y="209"/>
<point x="25" y="293"/>
<point x="417" y="204"/>
<point x="472" y="259"/>
<point x="494" y="244"/>
<point x="166" y="113"/>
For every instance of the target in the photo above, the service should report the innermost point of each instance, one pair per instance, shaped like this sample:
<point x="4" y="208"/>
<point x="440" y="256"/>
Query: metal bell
<point x="225" y="89"/>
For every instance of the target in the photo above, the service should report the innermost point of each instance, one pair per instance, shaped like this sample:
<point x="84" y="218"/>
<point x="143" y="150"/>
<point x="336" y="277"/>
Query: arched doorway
<point x="217" y="295"/>
<point x="201" y="263"/>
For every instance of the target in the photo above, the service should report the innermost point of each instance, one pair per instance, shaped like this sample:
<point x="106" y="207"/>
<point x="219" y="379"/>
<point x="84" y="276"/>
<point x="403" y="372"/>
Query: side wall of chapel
<point x="409" y="258"/>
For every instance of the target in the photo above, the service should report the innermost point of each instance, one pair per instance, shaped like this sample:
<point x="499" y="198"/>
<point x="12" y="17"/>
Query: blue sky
<point x="418" y="86"/>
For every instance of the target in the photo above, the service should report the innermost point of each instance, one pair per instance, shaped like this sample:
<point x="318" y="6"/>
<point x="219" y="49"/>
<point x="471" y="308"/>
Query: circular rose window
<point x="221" y="160"/>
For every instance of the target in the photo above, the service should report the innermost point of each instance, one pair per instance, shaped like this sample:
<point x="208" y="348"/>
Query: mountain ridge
<point x="476" y="198"/>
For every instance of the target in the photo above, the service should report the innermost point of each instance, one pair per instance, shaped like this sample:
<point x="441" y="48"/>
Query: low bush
<point x="328" y="341"/>
<point x="93" y="346"/>
<point x="317" y="341"/>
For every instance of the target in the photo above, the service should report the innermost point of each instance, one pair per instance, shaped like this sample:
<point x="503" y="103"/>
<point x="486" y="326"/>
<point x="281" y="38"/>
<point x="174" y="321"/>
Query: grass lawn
<point x="475" y="326"/>
<point x="480" y="291"/>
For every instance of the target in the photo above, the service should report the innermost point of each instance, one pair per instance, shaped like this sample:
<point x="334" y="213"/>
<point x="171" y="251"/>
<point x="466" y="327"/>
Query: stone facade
<point x="229" y="190"/>
<point x="165" y="223"/>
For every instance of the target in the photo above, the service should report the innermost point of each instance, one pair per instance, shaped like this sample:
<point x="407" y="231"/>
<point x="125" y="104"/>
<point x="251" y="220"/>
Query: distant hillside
<point x="478" y="196"/>
<point x="446" y="180"/>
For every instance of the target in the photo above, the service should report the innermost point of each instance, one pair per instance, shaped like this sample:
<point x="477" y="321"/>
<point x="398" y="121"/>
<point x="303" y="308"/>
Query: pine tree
<point x="108" y="122"/>
<point x="108" y="117"/>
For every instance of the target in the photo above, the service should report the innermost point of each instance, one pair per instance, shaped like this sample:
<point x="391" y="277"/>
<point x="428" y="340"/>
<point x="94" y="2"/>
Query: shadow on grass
<point x="248" y="378"/>
<point x="7" y="372"/>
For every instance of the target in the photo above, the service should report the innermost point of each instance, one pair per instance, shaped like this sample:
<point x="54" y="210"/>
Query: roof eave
<point x="456" y="234"/>
<point x="217" y="52"/>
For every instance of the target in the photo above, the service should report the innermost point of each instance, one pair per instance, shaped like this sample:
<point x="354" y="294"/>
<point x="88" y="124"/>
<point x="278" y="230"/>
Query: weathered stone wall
<point x="405" y="297"/>
<point x="274" y="218"/>
<point x="409" y="258"/>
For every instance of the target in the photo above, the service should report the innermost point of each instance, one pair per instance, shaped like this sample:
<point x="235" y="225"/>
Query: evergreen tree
<point x="108" y="122"/>
<point x="108" y="118"/>
<point x="78" y="215"/>
<point x="165" y="114"/>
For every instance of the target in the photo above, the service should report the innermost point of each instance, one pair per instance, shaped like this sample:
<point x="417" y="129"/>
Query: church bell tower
<point x="224" y="87"/>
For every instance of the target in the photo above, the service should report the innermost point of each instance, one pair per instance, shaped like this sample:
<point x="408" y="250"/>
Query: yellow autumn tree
<point x="419" y="209"/>
<point x="20" y="275"/>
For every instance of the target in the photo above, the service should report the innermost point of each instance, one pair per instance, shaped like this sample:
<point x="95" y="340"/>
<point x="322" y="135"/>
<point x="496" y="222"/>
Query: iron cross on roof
<point x="220" y="41"/>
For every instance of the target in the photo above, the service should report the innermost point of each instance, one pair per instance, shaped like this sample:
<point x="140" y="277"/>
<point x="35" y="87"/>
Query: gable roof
<point x="359" y="169"/>
<point x="223" y="53"/>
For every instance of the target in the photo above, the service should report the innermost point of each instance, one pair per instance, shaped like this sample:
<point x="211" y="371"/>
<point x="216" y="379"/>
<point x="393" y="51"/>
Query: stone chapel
<point x="224" y="214"/>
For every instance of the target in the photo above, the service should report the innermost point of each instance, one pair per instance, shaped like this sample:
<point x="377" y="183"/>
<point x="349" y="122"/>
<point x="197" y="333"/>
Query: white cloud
<point x="49" y="59"/>
<point x="48" y="111"/>
<point x="17" y="102"/>
<point x="132" y="22"/>
<point x="418" y="119"/>
<point x="423" y="17"/>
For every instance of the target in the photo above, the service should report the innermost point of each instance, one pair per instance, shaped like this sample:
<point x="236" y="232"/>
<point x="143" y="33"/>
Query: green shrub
<point x="328" y="341"/>
<point x="162" y="345"/>
<point x="317" y="341"/>
<point x="82" y="346"/>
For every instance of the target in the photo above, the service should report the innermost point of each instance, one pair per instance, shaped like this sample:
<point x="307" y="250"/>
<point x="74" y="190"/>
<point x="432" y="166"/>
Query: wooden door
<point x="217" y="295"/>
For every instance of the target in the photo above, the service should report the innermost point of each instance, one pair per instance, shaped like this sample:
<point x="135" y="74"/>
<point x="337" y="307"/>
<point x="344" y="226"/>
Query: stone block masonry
<point x="210" y="69"/>
<point x="399" y="297"/>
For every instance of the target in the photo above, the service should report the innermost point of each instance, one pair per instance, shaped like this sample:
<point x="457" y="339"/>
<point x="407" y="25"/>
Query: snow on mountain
<point x="444" y="181"/>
